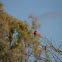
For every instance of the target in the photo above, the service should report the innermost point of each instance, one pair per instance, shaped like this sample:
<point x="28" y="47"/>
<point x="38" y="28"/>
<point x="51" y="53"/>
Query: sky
<point x="48" y="11"/>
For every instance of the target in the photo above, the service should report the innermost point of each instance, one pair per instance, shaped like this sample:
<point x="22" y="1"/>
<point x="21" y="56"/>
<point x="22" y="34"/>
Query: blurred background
<point x="49" y="13"/>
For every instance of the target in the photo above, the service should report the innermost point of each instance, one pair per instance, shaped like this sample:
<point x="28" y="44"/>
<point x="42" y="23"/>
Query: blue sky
<point x="48" y="11"/>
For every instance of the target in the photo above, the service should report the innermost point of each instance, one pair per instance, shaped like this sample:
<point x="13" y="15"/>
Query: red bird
<point x="35" y="32"/>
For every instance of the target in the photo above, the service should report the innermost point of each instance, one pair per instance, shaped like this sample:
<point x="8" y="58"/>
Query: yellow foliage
<point x="3" y="47"/>
<point x="1" y="5"/>
<point x="12" y="49"/>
